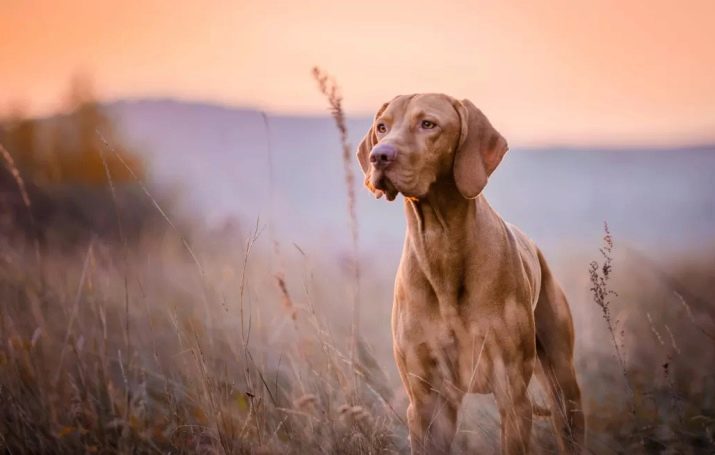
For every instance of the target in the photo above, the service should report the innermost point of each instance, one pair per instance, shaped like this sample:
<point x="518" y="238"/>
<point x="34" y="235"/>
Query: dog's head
<point x="416" y="140"/>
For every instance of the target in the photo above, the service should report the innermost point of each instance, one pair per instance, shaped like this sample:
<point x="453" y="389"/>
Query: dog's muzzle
<point x="382" y="155"/>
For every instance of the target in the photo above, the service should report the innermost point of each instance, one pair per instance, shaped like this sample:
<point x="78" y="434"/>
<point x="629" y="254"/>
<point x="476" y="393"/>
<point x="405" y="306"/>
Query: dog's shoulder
<point x="526" y="246"/>
<point x="529" y="255"/>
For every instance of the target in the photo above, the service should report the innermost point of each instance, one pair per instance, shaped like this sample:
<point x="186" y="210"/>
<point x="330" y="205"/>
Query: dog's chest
<point x="448" y="352"/>
<point x="447" y="315"/>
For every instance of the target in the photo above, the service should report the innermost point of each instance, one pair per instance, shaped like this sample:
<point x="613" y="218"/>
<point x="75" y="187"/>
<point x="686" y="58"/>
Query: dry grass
<point x="70" y="382"/>
<point x="670" y="399"/>
<point x="74" y="378"/>
<point x="600" y="275"/>
<point x="179" y="381"/>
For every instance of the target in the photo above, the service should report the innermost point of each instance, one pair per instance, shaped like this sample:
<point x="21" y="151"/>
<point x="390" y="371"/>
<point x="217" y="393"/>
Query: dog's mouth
<point x="384" y="184"/>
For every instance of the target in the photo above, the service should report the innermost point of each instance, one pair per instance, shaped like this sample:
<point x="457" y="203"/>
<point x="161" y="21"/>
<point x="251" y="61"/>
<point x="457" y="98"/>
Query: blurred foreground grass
<point x="136" y="350"/>
<point x="96" y="356"/>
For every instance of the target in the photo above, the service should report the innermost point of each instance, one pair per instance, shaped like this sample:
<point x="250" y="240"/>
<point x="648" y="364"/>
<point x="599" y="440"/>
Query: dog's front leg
<point x="432" y="421"/>
<point x="434" y="401"/>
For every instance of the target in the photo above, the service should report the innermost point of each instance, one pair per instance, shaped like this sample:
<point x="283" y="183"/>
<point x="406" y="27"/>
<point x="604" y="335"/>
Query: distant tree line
<point x="66" y="149"/>
<point x="61" y="160"/>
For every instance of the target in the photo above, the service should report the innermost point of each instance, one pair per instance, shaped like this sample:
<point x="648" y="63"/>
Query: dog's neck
<point x="446" y="233"/>
<point x="443" y="210"/>
<point x="441" y="230"/>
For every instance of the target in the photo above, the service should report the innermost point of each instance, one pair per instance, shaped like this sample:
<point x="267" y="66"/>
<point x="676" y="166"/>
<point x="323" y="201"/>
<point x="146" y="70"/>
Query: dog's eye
<point x="426" y="124"/>
<point x="381" y="128"/>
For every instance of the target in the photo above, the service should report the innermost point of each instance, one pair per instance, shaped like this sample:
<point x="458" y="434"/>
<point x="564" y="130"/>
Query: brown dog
<point x="476" y="309"/>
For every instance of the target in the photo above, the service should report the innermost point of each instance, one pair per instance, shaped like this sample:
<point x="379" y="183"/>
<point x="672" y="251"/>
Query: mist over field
<point x="221" y="322"/>
<point x="217" y="159"/>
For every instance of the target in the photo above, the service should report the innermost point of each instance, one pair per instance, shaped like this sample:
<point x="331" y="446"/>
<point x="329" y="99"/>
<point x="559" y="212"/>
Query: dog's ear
<point x="479" y="150"/>
<point x="363" y="153"/>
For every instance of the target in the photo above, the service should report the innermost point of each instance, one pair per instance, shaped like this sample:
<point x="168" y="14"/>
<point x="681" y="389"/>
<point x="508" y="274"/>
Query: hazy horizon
<point x="685" y="144"/>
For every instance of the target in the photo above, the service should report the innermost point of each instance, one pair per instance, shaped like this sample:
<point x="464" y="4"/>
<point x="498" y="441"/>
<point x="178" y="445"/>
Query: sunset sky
<point x="563" y="71"/>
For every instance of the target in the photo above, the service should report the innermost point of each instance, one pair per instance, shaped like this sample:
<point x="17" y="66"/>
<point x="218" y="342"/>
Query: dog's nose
<point x="382" y="155"/>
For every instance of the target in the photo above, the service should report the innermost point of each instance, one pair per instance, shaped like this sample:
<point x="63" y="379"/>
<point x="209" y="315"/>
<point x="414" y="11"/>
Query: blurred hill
<point x="61" y="183"/>
<point x="218" y="156"/>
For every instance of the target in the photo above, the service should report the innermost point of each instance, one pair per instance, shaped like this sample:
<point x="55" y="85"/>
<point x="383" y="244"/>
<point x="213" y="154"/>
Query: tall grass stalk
<point x="122" y="239"/>
<point x="329" y="88"/>
<point x="600" y="275"/>
<point x="156" y="204"/>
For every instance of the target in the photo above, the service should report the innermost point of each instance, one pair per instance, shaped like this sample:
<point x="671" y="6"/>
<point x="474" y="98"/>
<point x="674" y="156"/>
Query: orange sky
<point x="563" y="71"/>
